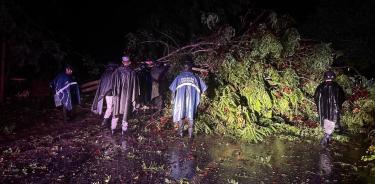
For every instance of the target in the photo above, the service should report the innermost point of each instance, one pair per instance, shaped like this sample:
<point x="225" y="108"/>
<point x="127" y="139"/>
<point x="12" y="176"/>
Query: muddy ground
<point x="44" y="149"/>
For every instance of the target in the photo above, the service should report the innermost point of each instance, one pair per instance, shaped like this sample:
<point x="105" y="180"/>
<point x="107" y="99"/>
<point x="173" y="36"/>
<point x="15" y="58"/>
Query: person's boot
<point x="112" y="132"/>
<point x="123" y="133"/>
<point x="325" y="140"/>
<point x="190" y="133"/>
<point x="329" y="139"/>
<point x="180" y="128"/>
<point x="105" y="122"/>
<point x="124" y="128"/>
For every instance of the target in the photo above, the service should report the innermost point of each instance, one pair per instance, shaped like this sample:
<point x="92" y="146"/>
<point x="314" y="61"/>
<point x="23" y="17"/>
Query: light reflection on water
<point x="275" y="161"/>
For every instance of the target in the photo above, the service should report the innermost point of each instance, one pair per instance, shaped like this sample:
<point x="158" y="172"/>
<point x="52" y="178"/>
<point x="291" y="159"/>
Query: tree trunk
<point x="2" y="72"/>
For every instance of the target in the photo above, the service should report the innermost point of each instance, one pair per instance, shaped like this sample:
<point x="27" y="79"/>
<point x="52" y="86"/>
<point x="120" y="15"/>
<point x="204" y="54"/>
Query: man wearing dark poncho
<point x="329" y="97"/>
<point x="125" y="93"/>
<point x="104" y="92"/>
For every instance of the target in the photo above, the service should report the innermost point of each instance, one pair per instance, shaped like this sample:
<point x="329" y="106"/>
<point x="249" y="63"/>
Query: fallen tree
<point x="262" y="79"/>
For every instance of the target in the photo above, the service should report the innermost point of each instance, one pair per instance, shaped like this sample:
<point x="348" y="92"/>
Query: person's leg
<point x="114" y="124"/>
<point x="124" y="124"/>
<point x="328" y="128"/>
<point x="108" y="111"/>
<point x="191" y="128"/>
<point x="180" y="128"/>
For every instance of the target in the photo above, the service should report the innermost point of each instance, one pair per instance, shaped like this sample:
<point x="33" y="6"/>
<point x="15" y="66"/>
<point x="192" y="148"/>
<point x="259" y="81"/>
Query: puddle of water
<point x="218" y="160"/>
<point x="182" y="162"/>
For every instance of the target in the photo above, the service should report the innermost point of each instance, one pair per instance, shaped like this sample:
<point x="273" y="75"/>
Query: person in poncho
<point x="125" y="93"/>
<point x="329" y="97"/>
<point x="159" y="85"/>
<point x="186" y="91"/>
<point x="145" y="83"/>
<point x="104" y="92"/>
<point x="66" y="92"/>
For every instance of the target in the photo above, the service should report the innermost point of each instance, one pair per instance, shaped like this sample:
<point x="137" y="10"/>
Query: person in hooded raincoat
<point x="125" y="93"/>
<point x="66" y="92"/>
<point x="158" y="72"/>
<point x="186" y="91"/>
<point x="145" y="83"/>
<point x="329" y="97"/>
<point x="104" y="92"/>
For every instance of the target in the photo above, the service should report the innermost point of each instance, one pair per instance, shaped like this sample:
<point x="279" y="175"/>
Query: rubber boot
<point x="325" y="141"/>
<point x="180" y="128"/>
<point x="124" y="127"/>
<point x="105" y="122"/>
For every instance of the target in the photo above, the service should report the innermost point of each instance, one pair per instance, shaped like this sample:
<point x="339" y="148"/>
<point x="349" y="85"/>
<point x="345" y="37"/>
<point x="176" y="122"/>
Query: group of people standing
<point x="125" y="88"/>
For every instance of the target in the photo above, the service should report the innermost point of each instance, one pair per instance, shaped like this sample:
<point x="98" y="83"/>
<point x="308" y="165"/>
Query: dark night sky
<point x="98" y="27"/>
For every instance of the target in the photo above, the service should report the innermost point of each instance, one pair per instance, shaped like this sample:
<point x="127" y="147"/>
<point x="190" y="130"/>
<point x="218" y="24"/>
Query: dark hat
<point x="329" y="75"/>
<point x="188" y="65"/>
<point x="68" y="66"/>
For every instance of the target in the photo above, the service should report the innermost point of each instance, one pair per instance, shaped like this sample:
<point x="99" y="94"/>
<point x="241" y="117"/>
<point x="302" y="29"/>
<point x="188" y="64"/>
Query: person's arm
<point x="316" y="94"/>
<point x="173" y="87"/>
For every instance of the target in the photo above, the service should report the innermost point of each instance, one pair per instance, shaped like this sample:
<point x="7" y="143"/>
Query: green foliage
<point x="309" y="87"/>
<point x="269" y="80"/>
<point x="290" y="42"/>
<point x="370" y="154"/>
<point x="291" y="132"/>
<point x="359" y="113"/>
<point x="319" y="59"/>
<point x="345" y="82"/>
<point x="266" y="45"/>
<point x="204" y="124"/>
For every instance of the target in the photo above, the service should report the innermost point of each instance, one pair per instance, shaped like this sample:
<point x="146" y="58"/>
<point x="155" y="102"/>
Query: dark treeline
<point x="44" y="35"/>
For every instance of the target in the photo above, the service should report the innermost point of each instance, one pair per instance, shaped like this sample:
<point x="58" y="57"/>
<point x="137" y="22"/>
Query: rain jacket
<point x="104" y="89"/>
<point x="157" y="74"/>
<point x="66" y="91"/>
<point x="186" y="90"/>
<point x="125" y="91"/>
<point x="329" y="97"/>
<point x="145" y="83"/>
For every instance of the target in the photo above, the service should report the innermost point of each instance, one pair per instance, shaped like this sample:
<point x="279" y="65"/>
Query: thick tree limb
<point x="177" y="51"/>
<point x="91" y="83"/>
<point x="89" y="89"/>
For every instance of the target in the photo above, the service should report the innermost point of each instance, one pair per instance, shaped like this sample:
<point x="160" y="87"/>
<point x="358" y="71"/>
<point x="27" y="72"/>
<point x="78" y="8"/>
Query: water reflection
<point x="182" y="162"/>
<point x="124" y="143"/>
<point x="325" y="162"/>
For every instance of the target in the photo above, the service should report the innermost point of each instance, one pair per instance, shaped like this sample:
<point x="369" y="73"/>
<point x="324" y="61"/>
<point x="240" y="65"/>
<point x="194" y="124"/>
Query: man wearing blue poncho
<point x="186" y="90"/>
<point x="66" y="91"/>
